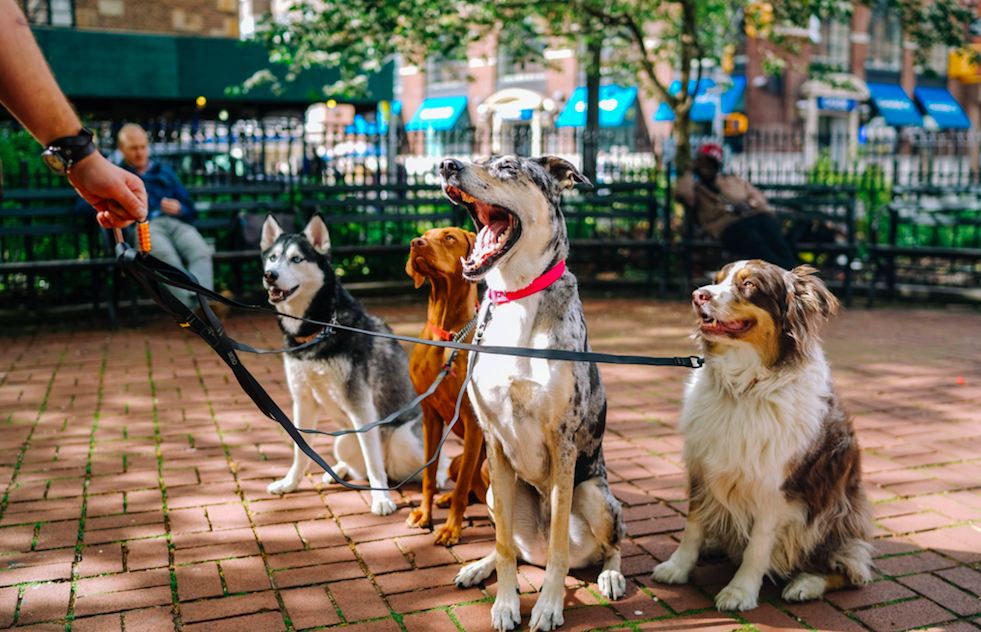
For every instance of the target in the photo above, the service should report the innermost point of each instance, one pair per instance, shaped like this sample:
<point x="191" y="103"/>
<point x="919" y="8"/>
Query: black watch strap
<point x="72" y="149"/>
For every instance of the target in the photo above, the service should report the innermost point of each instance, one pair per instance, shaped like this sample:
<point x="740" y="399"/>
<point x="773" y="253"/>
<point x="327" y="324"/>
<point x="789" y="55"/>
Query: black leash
<point x="150" y="273"/>
<point x="169" y="275"/>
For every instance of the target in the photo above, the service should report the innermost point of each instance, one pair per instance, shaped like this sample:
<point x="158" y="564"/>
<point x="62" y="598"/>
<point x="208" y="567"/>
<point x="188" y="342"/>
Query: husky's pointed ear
<point x="271" y="230"/>
<point x="563" y="171"/>
<point x="316" y="233"/>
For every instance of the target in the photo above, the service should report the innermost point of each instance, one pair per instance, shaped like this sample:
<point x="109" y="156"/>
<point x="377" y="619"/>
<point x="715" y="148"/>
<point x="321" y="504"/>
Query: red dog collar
<point x="536" y="286"/>
<point x="442" y="334"/>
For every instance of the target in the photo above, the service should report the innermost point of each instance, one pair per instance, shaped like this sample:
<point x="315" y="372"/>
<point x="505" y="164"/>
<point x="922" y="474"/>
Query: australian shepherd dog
<point x="772" y="460"/>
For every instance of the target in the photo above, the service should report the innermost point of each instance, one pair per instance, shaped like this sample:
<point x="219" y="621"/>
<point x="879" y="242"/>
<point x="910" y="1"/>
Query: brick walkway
<point x="135" y="475"/>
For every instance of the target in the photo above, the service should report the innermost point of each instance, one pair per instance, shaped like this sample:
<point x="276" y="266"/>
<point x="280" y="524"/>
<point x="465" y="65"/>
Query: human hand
<point x="118" y="196"/>
<point x="170" y="206"/>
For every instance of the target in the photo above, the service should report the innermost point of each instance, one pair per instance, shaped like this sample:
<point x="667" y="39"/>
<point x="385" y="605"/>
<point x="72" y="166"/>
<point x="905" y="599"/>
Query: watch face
<point x="55" y="162"/>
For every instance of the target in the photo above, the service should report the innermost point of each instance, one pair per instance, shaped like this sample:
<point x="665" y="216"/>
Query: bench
<point x="799" y="207"/>
<point x="382" y="220"/>
<point x="46" y="245"/>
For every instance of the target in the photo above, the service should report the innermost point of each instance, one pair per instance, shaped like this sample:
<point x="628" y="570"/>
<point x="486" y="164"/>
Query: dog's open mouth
<point x="722" y="328"/>
<point x="277" y="295"/>
<point x="498" y="229"/>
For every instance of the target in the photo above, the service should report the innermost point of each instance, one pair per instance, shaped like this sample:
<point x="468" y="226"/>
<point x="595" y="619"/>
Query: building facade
<point x="853" y="81"/>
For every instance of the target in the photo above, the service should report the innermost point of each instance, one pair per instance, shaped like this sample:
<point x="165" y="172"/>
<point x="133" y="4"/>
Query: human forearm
<point x="27" y="87"/>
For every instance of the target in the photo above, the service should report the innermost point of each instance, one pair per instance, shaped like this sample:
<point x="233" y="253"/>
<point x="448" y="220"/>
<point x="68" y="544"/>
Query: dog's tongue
<point x="487" y="241"/>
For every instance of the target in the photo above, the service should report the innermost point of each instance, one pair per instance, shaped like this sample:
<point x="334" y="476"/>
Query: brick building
<point x="211" y="18"/>
<point x="874" y="84"/>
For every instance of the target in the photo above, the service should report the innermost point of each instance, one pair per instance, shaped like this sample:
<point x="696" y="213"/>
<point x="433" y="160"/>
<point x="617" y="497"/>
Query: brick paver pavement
<point x="135" y="471"/>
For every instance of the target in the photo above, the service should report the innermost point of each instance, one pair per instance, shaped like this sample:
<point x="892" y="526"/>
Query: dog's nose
<point x="418" y="242"/>
<point x="271" y="276"/>
<point x="449" y="166"/>
<point x="701" y="296"/>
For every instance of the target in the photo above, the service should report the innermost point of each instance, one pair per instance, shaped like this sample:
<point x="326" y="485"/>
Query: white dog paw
<point x="547" y="614"/>
<point x="474" y="573"/>
<point x="670" y="572"/>
<point x="382" y="504"/>
<point x="506" y="612"/>
<point x="342" y="471"/>
<point x="283" y="486"/>
<point x="611" y="584"/>
<point x="805" y="587"/>
<point x="736" y="598"/>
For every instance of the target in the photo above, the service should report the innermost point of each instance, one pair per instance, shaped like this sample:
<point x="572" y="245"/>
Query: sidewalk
<point x="135" y="471"/>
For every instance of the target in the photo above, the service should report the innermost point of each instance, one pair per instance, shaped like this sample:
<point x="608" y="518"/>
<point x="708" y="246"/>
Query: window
<point x="835" y="48"/>
<point x="512" y="59"/>
<point x="885" y="40"/>
<point x="936" y="62"/>
<point x="441" y="71"/>
<point x="50" y="12"/>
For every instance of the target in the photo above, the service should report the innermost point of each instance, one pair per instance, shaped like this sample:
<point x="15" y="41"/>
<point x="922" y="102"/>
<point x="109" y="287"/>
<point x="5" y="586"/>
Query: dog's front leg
<point x="473" y="442"/>
<point x="382" y="503"/>
<point x="547" y="613"/>
<point x="432" y="425"/>
<point x="506" y="611"/>
<point x="683" y="560"/>
<point x="744" y="589"/>
<point x="305" y="413"/>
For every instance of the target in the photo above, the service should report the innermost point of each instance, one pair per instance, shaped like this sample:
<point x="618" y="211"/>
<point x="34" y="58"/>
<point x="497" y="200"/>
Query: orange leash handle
<point x="143" y="236"/>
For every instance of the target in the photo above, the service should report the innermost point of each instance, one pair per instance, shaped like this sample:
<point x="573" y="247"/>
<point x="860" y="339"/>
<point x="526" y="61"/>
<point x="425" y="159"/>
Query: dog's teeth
<point x="469" y="199"/>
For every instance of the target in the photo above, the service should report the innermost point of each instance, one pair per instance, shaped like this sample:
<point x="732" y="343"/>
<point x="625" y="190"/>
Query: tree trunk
<point x="682" y="138"/>
<point x="592" y="133"/>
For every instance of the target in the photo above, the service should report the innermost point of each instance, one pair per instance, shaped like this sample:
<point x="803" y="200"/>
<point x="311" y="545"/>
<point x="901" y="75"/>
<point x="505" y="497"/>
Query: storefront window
<point x="440" y="72"/>
<point x="50" y="12"/>
<point x="885" y="40"/>
<point x="833" y="52"/>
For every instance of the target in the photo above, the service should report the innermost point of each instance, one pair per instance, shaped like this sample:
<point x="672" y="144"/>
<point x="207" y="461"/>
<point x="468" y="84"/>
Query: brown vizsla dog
<point x="437" y="256"/>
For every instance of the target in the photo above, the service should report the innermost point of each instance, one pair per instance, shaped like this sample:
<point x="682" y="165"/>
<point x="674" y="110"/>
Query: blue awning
<point x="894" y="105"/>
<point x="440" y="114"/>
<point x="941" y="105"/>
<point x="703" y="109"/>
<point x="614" y="102"/>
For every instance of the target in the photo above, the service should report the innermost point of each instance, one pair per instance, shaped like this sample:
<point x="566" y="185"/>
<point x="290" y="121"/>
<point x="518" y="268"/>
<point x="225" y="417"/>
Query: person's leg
<point x="163" y="248"/>
<point x="195" y="252"/>
<point x="783" y="255"/>
<point x="758" y="237"/>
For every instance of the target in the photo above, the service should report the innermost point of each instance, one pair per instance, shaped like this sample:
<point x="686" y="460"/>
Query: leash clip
<point x="697" y="362"/>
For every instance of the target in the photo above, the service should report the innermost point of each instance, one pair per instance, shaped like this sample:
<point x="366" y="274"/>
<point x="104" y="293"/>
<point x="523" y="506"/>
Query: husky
<point x="543" y="420"/>
<point x="366" y="377"/>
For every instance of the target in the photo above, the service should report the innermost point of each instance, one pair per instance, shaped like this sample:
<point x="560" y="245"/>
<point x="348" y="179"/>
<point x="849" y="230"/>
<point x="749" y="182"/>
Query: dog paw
<point x="611" y="584"/>
<point x="444" y="501"/>
<point x="736" y="598"/>
<point x="283" y="486"/>
<point x="547" y="614"/>
<point x="382" y="504"/>
<point x="506" y="612"/>
<point x="417" y="519"/>
<point x="670" y="572"/>
<point x="804" y="587"/>
<point x="448" y="535"/>
<point x="342" y="471"/>
<point x="473" y="573"/>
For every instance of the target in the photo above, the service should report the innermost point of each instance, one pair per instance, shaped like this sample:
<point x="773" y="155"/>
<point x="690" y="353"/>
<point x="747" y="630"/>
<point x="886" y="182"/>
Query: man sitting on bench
<point x="175" y="240"/>
<point x="732" y="210"/>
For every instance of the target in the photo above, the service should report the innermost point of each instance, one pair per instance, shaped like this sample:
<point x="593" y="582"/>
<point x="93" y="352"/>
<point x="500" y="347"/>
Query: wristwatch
<point x="62" y="154"/>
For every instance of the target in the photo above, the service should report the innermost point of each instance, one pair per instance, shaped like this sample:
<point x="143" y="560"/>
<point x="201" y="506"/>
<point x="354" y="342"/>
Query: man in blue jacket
<point x="170" y="211"/>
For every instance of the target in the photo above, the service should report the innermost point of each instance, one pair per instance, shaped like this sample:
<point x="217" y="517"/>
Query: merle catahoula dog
<point x="543" y="420"/>
<point x="366" y="377"/>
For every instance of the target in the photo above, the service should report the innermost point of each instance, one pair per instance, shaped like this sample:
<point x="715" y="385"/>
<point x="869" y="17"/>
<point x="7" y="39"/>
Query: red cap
<point x="713" y="151"/>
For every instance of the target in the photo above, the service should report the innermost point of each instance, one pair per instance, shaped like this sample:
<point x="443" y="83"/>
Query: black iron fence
<point x="626" y="231"/>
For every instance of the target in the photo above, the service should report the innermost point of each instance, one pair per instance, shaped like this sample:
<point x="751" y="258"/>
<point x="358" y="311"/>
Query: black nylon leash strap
<point x="161" y="272"/>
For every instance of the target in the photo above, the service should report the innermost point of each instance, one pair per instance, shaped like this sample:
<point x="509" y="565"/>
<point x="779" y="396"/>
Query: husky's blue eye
<point x="297" y="259"/>
<point x="272" y="257"/>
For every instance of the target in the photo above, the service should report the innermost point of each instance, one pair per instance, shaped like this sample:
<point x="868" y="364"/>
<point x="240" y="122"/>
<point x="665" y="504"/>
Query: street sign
<point x="836" y="104"/>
